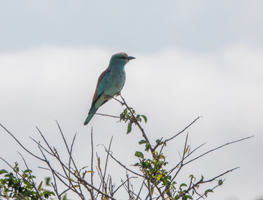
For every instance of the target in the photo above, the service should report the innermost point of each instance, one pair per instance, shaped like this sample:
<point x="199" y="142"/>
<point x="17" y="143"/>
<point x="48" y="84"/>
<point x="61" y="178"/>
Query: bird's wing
<point x="102" y="82"/>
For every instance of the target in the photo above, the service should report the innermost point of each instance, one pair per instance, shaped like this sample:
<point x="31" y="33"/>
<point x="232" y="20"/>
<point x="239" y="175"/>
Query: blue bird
<point x="110" y="82"/>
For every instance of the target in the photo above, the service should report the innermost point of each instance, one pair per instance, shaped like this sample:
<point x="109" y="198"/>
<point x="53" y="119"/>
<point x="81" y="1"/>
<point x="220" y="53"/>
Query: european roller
<point x="110" y="82"/>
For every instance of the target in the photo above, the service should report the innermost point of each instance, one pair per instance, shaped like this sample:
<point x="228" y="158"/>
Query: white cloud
<point x="171" y="87"/>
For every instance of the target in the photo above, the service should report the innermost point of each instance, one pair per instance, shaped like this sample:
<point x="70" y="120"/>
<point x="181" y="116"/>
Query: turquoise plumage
<point x="110" y="82"/>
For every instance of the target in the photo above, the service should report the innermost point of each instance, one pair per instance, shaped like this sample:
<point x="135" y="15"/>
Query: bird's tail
<point x="92" y="111"/>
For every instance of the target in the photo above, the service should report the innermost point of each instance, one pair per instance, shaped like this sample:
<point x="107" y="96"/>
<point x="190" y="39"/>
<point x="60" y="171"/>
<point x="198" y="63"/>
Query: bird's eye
<point x="122" y="57"/>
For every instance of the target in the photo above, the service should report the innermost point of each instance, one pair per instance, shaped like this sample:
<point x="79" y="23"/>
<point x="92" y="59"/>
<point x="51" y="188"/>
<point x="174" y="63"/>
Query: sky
<point x="193" y="58"/>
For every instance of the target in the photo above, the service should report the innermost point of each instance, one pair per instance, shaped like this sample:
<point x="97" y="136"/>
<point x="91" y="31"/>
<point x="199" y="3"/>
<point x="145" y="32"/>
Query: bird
<point x="110" y="82"/>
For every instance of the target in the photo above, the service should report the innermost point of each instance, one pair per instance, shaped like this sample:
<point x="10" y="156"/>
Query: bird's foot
<point x="119" y="93"/>
<point x="107" y="97"/>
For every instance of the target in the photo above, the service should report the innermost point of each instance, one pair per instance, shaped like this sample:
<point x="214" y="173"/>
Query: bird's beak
<point x="130" y="58"/>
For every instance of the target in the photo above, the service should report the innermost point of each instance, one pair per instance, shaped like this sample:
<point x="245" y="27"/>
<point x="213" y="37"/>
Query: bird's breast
<point x="115" y="83"/>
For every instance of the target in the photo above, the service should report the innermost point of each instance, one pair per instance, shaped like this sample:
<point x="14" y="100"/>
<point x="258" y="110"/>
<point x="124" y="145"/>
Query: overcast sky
<point x="193" y="58"/>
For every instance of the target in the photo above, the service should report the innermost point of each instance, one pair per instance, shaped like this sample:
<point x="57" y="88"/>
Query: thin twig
<point x="218" y="148"/>
<point x="21" y="144"/>
<point x="92" y="172"/>
<point x="138" y="195"/>
<point x="182" y="160"/>
<point x="149" y="187"/>
<point x="38" y="143"/>
<point x="54" y="173"/>
<point x="106" y="115"/>
<point x="32" y="181"/>
<point x="66" y="144"/>
<point x="86" y="183"/>
<point x="53" y="153"/>
<point x="123" y="165"/>
<point x="106" y="163"/>
<point x="122" y="185"/>
<point x="202" y="196"/>
<point x="70" y="152"/>
<point x="182" y="130"/>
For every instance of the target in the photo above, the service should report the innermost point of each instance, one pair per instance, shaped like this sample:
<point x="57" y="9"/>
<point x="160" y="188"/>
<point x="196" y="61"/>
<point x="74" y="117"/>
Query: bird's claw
<point x="106" y="97"/>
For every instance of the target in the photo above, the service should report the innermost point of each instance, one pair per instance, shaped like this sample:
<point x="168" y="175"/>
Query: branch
<point x="106" y="115"/>
<point x="182" y="130"/>
<point x="32" y="181"/>
<point x="137" y="123"/>
<point x="123" y="165"/>
<point x="92" y="172"/>
<point x="122" y="184"/>
<point x="218" y="148"/>
<point x="21" y="144"/>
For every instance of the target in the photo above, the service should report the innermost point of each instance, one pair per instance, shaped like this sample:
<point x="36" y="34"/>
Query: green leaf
<point x="177" y="197"/>
<point x="47" y="181"/>
<point x="139" y="154"/>
<point x="152" y="189"/>
<point x="207" y="191"/>
<point x="146" y="165"/>
<point x="183" y="185"/>
<point x="142" y="142"/>
<point x="99" y="163"/>
<point x="64" y="197"/>
<point x="3" y="171"/>
<point x="188" y="197"/>
<point x="166" y="182"/>
<point x="10" y="175"/>
<point x="28" y="171"/>
<point x="147" y="147"/>
<point x="158" y="141"/>
<point x="202" y="179"/>
<point x="220" y="182"/>
<point x="16" y="168"/>
<point x="192" y="176"/>
<point x="129" y="128"/>
<point x="39" y="186"/>
<point x="48" y="193"/>
<point x="145" y="118"/>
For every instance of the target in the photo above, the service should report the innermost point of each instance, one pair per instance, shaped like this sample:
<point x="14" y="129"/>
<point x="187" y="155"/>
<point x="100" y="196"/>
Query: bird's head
<point x="120" y="58"/>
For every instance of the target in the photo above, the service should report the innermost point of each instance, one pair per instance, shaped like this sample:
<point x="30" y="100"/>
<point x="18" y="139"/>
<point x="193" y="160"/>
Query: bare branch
<point x="202" y="196"/>
<point x="38" y="143"/>
<point x="182" y="130"/>
<point x="21" y="144"/>
<point x="66" y="144"/>
<point x="220" y="175"/>
<point x="217" y="148"/>
<point x="92" y="154"/>
<point x="106" y="115"/>
<point x="122" y="184"/>
<point x="138" y="195"/>
<point x="106" y="163"/>
<point x="87" y="184"/>
<point x="51" y="150"/>
<point x="182" y="160"/>
<point x="123" y="165"/>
